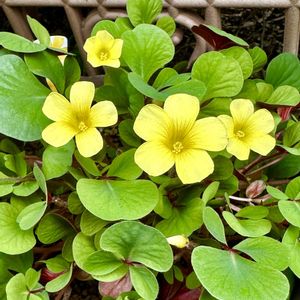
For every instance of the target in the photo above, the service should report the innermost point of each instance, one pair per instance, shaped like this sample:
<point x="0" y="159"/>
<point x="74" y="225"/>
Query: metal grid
<point x="180" y="10"/>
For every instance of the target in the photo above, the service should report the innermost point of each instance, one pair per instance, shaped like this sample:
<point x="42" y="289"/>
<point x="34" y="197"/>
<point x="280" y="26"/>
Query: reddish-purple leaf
<point x="115" y="288"/>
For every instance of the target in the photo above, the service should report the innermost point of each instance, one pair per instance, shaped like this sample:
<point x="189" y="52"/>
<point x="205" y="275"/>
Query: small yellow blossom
<point x="248" y="130"/>
<point x="103" y="50"/>
<point x="179" y="241"/>
<point x="77" y="118"/>
<point x="173" y="136"/>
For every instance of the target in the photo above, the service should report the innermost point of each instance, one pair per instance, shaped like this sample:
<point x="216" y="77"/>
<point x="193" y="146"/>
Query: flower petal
<point x="193" y="165"/>
<point x="238" y="148"/>
<point x="115" y="63"/>
<point x="154" y="158"/>
<point x="262" y="144"/>
<point x="241" y="110"/>
<point x="228" y="123"/>
<point x="152" y="123"/>
<point x="261" y="121"/>
<point x="116" y="50"/>
<point x="207" y="134"/>
<point x="57" y="108"/>
<point x="89" y="142"/>
<point x="90" y="44"/>
<point x="58" y="134"/>
<point x="81" y="97"/>
<point x="103" y="114"/>
<point x="105" y="38"/>
<point x="183" y="110"/>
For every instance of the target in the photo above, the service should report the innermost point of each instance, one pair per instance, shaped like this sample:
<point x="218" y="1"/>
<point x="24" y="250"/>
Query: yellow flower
<point x="173" y="136"/>
<point x="179" y="241"/>
<point x="248" y="130"/>
<point x="77" y="118"/>
<point x="103" y="50"/>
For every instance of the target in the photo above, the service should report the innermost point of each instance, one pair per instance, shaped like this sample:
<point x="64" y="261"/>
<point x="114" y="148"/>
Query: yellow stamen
<point x="103" y="55"/>
<point x="177" y="147"/>
<point x="240" y="134"/>
<point x="82" y="126"/>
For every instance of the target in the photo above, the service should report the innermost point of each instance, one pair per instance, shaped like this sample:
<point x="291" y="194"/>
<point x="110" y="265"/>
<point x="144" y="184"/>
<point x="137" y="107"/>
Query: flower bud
<point x="255" y="188"/>
<point x="178" y="241"/>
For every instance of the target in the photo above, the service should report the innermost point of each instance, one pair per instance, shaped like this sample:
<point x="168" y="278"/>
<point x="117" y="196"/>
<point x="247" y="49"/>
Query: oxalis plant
<point x="164" y="182"/>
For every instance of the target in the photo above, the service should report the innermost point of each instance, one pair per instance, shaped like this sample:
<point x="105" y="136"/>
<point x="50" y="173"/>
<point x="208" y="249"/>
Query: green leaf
<point x="47" y="65"/>
<point x="253" y="212"/>
<point x="284" y="69"/>
<point x="140" y="243"/>
<point x="124" y="166"/>
<point x="228" y="276"/>
<point x="284" y="95"/>
<point x="116" y="28"/>
<point x="266" y="250"/>
<point x="243" y="57"/>
<point x="114" y="275"/>
<point x="32" y="278"/>
<point x="249" y="91"/>
<point x="291" y="240"/>
<point x="264" y="90"/>
<point x="13" y="240"/>
<point x="289" y="166"/>
<point x="59" y="282"/>
<point x="143" y="87"/>
<point x="168" y="77"/>
<point x="276" y="193"/>
<point x="87" y="163"/>
<point x="186" y="217"/>
<point x="25" y="188"/>
<point x="39" y="31"/>
<point x="143" y="11"/>
<point x="113" y="200"/>
<point x="101" y="263"/>
<point x="31" y="214"/>
<point x="16" y="163"/>
<point x="214" y="224"/>
<point x="83" y="246"/>
<point x="74" y="205"/>
<point x="192" y="87"/>
<point x="144" y="282"/>
<point x="222" y="75"/>
<point x="19" y="263"/>
<point x="17" y="43"/>
<point x="223" y="168"/>
<point x="259" y="58"/>
<point x="146" y="49"/>
<point x="291" y="135"/>
<point x="40" y="178"/>
<point x="16" y="288"/>
<point x="293" y="188"/>
<point x="210" y="192"/>
<point x="90" y="224"/>
<point x="72" y="70"/>
<point x="52" y="228"/>
<point x="167" y="23"/>
<point x="127" y="133"/>
<point x="21" y="96"/>
<point x="291" y="211"/>
<point x="56" y="161"/>
<point x="249" y="228"/>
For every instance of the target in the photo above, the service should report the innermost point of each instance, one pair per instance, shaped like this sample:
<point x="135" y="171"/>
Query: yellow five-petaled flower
<point x="248" y="130"/>
<point x="77" y="118"/>
<point x="174" y="136"/>
<point x="103" y="50"/>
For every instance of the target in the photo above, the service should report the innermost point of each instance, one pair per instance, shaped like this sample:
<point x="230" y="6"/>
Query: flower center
<point x="103" y="55"/>
<point x="177" y="147"/>
<point x="82" y="126"/>
<point x="240" y="134"/>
